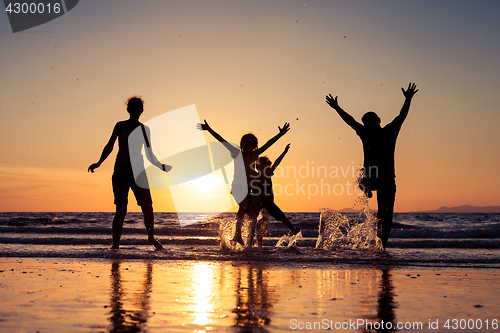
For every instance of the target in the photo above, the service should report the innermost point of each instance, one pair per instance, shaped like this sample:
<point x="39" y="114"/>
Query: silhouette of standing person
<point x="123" y="177"/>
<point x="379" y="144"/>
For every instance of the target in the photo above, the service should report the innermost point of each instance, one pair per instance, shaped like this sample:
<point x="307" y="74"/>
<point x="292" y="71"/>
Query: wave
<point x="410" y="230"/>
<point x="305" y="242"/>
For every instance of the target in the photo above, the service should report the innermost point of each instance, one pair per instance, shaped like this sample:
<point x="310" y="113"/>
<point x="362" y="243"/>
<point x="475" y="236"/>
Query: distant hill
<point x="465" y="209"/>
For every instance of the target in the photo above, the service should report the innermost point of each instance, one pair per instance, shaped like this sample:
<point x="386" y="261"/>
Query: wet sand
<point x="122" y="295"/>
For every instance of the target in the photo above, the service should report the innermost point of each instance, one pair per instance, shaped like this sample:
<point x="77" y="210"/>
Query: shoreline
<point x="392" y="257"/>
<point x="249" y="259"/>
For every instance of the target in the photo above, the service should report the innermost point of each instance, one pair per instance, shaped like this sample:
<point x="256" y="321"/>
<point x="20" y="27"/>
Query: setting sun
<point x="205" y="183"/>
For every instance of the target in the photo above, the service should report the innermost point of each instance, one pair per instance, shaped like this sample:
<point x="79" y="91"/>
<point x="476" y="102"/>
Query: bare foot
<point x="114" y="247"/>
<point x="156" y="243"/>
<point x="296" y="230"/>
<point x="238" y="239"/>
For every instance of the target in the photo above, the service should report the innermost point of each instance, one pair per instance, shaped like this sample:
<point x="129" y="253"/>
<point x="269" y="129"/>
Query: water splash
<point x="227" y="228"/>
<point x="338" y="231"/>
<point x="289" y="240"/>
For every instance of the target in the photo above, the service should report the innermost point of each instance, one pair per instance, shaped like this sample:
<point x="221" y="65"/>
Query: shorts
<point x="123" y="180"/>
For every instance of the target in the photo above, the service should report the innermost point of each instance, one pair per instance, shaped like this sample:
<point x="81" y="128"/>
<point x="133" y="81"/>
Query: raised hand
<point x="412" y="89"/>
<point x="332" y="101"/>
<point x="203" y="127"/>
<point x="287" y="148"/>
<point x="284" y="129"/>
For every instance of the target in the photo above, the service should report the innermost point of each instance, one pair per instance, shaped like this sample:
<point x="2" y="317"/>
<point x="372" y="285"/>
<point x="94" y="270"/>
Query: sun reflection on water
<point x="203" y="275"/>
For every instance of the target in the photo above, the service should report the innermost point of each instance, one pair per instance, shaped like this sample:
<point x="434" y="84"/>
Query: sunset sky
<point x="251" y="66"/>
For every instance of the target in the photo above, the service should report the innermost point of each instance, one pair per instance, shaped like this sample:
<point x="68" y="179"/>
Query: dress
<point x="241" y="189"/>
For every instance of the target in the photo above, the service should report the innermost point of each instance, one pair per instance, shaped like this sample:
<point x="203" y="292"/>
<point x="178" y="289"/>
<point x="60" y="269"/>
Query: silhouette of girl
<point x="244" y="174"/>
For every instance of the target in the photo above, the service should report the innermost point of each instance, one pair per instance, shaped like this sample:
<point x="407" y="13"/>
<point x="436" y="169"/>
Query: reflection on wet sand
<point x="204" y="296"/>
<point x="64" y="295"/>
<point x="135" y="319"/>
<point x="386" y="305"/>
<point x="253" y="299"/>
<point x="385" y="318"/>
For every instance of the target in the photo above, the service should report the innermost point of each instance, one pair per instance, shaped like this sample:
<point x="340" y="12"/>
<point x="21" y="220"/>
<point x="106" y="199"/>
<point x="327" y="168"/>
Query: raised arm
<point x="205" y="127"/>
<point x="344" y="115"/>
<point x="408" y="93"/>
<point x="280" y="158"/>
<point x="282" y="131"/>
<point x="108" y="148"/>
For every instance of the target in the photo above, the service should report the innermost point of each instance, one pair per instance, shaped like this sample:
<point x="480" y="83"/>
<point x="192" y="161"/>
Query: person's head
<point x="248" y="142"/>
<point x="371" y="119"/>
<point x="263" y="162"/>
<point x="135" y="106"/>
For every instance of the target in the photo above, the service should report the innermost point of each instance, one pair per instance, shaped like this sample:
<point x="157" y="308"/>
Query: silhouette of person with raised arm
<point x="243" y="175"/>
<point x="123" y="177"/>
<point x="379" y="144"/>
<point x="262" y="188"/>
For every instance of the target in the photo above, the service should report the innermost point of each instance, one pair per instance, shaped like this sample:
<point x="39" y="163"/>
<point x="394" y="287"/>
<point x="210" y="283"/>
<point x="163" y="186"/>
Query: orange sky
<point x="251" y="66"/>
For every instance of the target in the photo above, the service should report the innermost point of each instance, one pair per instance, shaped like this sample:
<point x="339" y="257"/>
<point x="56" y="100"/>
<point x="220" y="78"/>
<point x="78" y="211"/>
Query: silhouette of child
<point x="123" y="177"/>
<point x="243" y="174"/>
<point x="262" y="188"/>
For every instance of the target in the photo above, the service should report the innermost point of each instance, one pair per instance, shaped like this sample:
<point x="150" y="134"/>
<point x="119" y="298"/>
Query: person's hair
<point x="248" y="142"/>
<point x="135" y="104"/>
<point x="263" y="161"/>
<point x="370" y="118"/>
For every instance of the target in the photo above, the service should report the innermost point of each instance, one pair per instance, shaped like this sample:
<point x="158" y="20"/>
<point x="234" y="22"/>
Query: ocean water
<point x="428" y="239"/>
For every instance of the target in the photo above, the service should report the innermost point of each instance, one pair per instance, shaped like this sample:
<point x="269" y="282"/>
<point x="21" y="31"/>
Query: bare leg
<point x="385" y="199"/>
<point x="240" y="217"/>
<point x="237" y="234"/>
<point x="276" y="212"/>
<point x="386" y="230"/>
<point x="253" y="225"/>
<point x="290" y="226"/>
<point x="252" y="213"/>
<point x="262" y="226"/>
<point x="121" y="211"/>
<point x="149" y="223"/>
